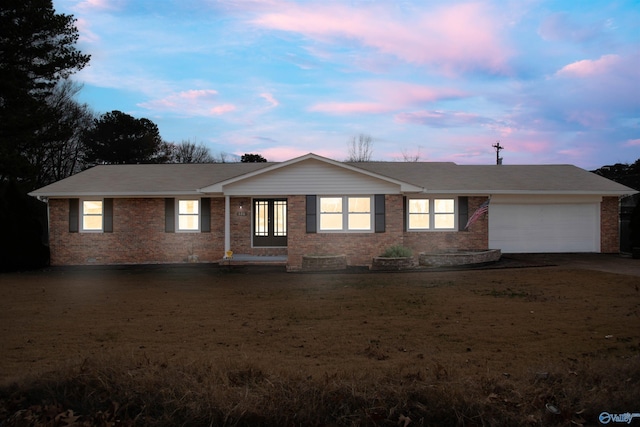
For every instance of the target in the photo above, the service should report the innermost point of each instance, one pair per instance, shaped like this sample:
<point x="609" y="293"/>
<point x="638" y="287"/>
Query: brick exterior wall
<point x="609" y="225"/>
<point x="475" y="238"/>
<point x="359" y="248"/>
<point x="139" y="236"/>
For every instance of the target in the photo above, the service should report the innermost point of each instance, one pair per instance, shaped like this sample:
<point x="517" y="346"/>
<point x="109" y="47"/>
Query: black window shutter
<point x="311" y="214"/>
<point x="404" y="213"/>
<point x="169" y="215"/>
<point x="107" y="218"/>
<point x="205" y="215"/>
<point x="74" y="215"/>
<point x="379" y="210"/>
<point x="463" y="212"/>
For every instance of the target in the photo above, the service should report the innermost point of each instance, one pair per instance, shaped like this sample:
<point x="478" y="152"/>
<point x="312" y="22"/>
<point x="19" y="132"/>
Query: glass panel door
<point x="270" y="222"/>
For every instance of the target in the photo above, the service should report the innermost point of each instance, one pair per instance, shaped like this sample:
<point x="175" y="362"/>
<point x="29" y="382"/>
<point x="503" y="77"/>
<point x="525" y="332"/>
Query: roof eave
<point x="119" y="194"/>
<point x="535" y="192"/>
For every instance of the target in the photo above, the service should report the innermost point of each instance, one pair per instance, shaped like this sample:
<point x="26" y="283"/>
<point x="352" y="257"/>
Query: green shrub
<point x="397" y="251"/>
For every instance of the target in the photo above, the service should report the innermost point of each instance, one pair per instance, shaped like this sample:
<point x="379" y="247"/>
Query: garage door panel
<point x="544" y="228"/>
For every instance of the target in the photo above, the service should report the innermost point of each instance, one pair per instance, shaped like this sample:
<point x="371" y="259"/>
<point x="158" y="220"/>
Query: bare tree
<point x="360" y="148"/>
<point x="411" y="157"/>
<point x="224" y="157"/>
<point x="58" y="154"/>
<point x="189" y="152"/>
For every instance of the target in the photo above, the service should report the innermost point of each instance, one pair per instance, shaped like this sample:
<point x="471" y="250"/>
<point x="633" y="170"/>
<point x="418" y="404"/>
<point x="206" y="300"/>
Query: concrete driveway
<point x="611" y="263"/>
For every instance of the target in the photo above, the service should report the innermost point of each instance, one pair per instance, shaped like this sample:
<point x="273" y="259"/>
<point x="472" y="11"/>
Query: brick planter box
<point x="446" y="259"/>
<point x="393" y="264"/>
<point x="324" y="262"/>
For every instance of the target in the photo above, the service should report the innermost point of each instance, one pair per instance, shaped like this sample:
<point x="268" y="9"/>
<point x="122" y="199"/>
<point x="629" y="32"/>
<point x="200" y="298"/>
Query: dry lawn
<point x="200" y="345"/>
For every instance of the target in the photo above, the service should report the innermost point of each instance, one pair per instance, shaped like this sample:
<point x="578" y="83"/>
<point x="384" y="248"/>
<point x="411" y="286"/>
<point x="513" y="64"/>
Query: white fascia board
<point x="533" y="192"/>
<point x="123" y="195"/>
<point x="219" y="187"/>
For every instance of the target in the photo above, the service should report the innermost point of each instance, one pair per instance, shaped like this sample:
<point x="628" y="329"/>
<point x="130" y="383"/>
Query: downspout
<point x="227" y="224"/>
<point x="46" y="200"/>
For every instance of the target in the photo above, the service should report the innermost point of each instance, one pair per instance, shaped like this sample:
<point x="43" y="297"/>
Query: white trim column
<point x="227" y="224"/>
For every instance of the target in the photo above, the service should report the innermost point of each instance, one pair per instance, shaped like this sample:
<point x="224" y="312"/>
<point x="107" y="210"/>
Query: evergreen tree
<point x="252" y="158"/>
<point x="37" y="50"/>
<point x="118" y="138"/>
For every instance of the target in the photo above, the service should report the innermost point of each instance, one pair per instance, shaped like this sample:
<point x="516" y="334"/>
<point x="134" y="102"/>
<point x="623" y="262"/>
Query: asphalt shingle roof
<point x="449" y="177"/>
<point x="140" y="180"/>
<point x="178" y="179"/>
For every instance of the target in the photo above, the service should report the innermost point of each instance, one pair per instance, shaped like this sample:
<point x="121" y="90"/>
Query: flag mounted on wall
<point x="482" y="209"/>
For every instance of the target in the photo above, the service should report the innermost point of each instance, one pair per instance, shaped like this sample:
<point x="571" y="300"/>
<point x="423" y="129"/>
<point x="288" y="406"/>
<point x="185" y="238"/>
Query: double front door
<point x="270" y="222"/>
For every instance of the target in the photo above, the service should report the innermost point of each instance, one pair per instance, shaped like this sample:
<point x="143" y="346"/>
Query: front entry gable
<point x="310" y="174"/>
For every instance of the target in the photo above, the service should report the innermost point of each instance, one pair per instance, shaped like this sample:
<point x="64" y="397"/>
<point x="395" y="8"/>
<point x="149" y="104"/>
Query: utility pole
<point x="498" y="147"/>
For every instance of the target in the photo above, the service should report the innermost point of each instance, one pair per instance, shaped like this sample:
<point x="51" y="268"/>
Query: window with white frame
<point x="431" y="214"/>
<point x="345" y="213"/>
<point x="188" y="215"/>
<point x="92" y="214"/>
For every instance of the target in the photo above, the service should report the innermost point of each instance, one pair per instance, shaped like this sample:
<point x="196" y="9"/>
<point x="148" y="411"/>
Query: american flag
<point x="482" y="209"/>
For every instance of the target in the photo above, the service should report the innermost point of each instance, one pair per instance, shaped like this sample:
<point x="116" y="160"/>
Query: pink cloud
<point x="270" y="99"/>
<point x="596" y="91"/>
<point x="196" y="102"/>
<point x="350" y="107"/>
<point x="560" y="27"/>
<point x="529" y="146"/>
<point x="84" y="30"/>
<point x="280" y="154"/>
<point x="387" y="96"/>
<point x="588" y="119"/>
<point x="100" y="5"/>
<point x="402" y="95"/>
<point x="221" y="109"/>
<point x="198" y="94"/>
<point x="632" y="143"/>
<point x="442" y="119"/>
<point x="454" y="37"/>
<point x="588" y="68"/>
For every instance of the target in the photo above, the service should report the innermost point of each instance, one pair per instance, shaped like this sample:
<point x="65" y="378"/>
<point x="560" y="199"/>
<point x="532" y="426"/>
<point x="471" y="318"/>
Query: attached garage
<point x="545" y="227"/>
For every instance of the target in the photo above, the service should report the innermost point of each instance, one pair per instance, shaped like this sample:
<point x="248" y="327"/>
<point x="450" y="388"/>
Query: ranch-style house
<point x="312" y="205"/>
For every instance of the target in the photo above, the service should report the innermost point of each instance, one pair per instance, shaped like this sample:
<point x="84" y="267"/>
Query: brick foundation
<point x="324" y="263"/>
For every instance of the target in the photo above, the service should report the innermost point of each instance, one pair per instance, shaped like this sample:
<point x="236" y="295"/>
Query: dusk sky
<point x="553" y="81"/>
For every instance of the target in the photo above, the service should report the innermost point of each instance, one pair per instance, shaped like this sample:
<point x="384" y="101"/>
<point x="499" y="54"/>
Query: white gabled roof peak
<point x="219" y="186"/>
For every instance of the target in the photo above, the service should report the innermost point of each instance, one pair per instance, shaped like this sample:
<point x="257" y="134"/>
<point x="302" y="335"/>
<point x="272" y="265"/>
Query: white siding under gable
<point x="310" y="177"/>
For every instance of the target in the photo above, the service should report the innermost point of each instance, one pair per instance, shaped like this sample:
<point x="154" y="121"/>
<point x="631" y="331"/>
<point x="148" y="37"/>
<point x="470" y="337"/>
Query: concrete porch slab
<point x="245" y="259"/>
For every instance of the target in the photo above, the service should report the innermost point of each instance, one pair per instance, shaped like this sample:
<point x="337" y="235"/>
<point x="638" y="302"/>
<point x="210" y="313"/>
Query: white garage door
<point x="520" y="228"/>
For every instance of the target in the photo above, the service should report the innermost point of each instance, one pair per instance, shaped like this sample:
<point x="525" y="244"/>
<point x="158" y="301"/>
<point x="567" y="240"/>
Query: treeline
<point x="624" y="173"/>
<point x="627" y="174"/>
<point x="46" y="134"/>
